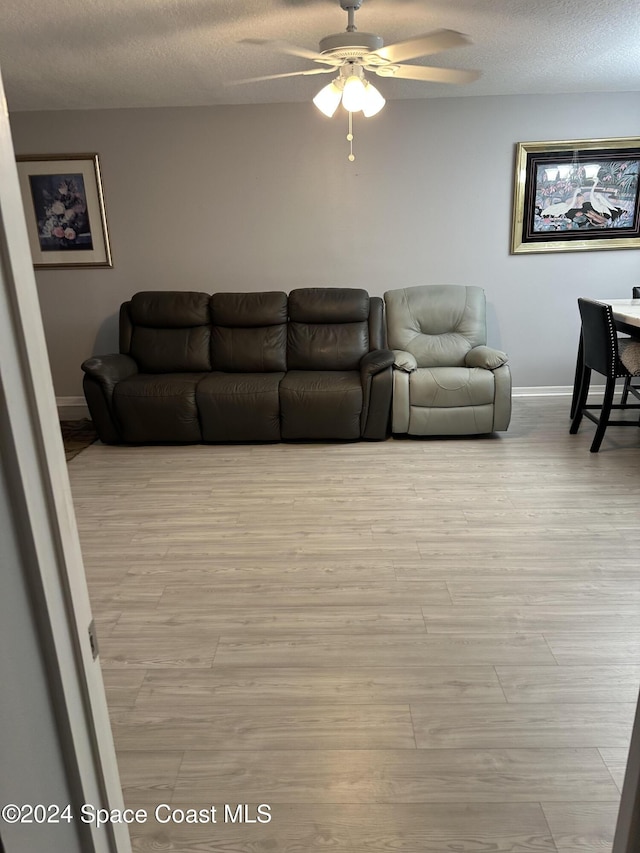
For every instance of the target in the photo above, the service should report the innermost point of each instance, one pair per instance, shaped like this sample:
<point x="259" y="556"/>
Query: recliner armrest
<point x="485" y="357"/>
<point x="404" y="361"/>
<point x="374" y="362"/>
<point x="377" y="382"/>
<point x="110" y="369"/>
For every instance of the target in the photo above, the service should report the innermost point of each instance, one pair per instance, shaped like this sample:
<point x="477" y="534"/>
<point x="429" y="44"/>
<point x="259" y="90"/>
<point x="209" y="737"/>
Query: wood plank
<point x="582" y="827"/>
<point x="209" y="569"/>
<point x="536" y="725"/>
<point x="352" y="828"/>
<point x="291" y="829"/>
<point x="232" y="593"/>
<point x="610" y="591"/>
<point x="513" y="566"/>
<point x="595" y="647"/>
<point x="148" y="778"/>
<point x="253" y="620"/>
<point x="433" y="650"/>
<point x="616" y="761"/>
<point x="541" y="619"/>
<point x="265" y="728"/>
<point x="461" y="827"/>
<point x="570" y="683"/>
<point x="122" y="688"/>
<point x="157" y="648"/>
<point x="183" y="691"/>
<point x="396" y="776"/>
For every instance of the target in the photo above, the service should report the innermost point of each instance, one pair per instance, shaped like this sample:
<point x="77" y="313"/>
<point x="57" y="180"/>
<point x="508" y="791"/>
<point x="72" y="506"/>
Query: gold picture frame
<point x="576" y="195"/>
<point x="64" y="209"/>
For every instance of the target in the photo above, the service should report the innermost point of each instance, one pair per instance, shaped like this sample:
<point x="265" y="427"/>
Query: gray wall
<point x="263" y="197"/>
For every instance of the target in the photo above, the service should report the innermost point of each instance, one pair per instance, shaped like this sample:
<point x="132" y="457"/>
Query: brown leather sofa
<point x="244" y="367"/>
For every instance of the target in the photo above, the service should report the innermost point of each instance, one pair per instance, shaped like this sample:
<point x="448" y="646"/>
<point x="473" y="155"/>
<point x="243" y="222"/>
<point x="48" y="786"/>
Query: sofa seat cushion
<point x="240" y="406"/>
<point x="321" y="404"/>
<point x="448" y="387"/>
<point x="158" y="407"/>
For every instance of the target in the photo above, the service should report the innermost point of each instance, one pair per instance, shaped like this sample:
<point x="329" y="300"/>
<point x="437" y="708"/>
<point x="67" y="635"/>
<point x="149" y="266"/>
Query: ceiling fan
<point x="368" y="51"/>
<point x="351" y="53"/>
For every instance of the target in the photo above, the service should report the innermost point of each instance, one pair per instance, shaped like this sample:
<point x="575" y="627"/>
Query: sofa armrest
<point x="376" y="376"/>
<point x="404" y="361"/>
<point x="102" y="374"/>
<point x="110" y="369"/>
<point x="486" y="357"/>
<point x="374" y="362"/>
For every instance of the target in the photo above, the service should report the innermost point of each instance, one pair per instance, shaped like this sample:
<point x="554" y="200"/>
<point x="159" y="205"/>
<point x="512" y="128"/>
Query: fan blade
<point x="423" y="45"/>
<point x="293" y="50"/>
<point x="278" y="76"/>
<point x="426" y="73"/>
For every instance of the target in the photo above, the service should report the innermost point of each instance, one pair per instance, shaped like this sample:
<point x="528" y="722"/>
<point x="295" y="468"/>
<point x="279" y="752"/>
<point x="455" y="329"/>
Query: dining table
<point x="626" y="315"/>
<point x="626" y="318"/>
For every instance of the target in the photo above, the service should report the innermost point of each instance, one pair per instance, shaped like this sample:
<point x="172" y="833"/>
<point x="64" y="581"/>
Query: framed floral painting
<point x="64" y="208"/>
<point x="576" y="195"/>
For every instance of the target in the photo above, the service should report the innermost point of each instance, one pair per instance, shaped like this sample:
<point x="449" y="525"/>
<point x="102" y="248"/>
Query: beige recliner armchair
<point x="446" y="381"/>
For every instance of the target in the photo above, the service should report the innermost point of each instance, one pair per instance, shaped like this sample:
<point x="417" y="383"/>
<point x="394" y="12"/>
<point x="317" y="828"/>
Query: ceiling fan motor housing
<point x="345" y="45"/>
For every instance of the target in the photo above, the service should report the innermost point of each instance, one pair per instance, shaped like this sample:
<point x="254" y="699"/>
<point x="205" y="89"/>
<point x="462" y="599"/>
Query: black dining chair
<point x="600" y="353"/>
<point x="635" y="294"/>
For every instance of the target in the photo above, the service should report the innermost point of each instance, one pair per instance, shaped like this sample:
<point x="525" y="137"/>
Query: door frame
<point x="44" y="517"/>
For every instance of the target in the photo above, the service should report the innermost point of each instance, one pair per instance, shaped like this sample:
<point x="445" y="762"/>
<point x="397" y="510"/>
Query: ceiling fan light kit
<point x="328" y="99"/>
<point x="352" y="53"/>
<point x="373" y="101"/>
<point x="357" y="94"/>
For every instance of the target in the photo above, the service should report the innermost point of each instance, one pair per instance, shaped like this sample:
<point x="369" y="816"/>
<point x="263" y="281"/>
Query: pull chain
<point x="352" y="156"/>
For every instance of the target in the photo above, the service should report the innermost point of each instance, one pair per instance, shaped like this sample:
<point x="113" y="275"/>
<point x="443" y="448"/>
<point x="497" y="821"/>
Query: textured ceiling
<point x="79" y="54"/>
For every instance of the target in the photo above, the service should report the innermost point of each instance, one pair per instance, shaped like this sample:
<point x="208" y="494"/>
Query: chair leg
<point x="625" y="391"/>
<point x="581" y="399"/>
<point x="604" y="414"/>
<point x="577" y="381"/>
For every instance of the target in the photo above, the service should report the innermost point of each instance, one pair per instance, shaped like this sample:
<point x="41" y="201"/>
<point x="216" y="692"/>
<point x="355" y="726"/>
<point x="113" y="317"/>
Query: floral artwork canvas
<point x="64" y="210"/>
<point x="61" y="208"/>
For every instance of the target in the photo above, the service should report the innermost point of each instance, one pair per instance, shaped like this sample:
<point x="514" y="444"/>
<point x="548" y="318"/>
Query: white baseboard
<point x="543" y="391"/>
<point x="532" y="391"/>
<point x="553" y="391"/>
<point x="70" y="401"/>
<point x="72" y="407"/>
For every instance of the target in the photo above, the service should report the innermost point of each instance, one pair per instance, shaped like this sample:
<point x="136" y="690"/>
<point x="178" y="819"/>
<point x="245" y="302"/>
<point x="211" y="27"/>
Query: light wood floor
<point x="415" y="645"/>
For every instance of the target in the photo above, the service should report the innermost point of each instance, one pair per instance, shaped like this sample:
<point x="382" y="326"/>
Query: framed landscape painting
<point x="64" y="208"/>
<point x="576" y="195"/>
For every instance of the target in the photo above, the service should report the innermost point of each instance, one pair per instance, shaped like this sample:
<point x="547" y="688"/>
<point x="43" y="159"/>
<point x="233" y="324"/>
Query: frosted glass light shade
<point x="353" y="95"/>
<point x="327" y="99"/>
<point x="373" y="101"/>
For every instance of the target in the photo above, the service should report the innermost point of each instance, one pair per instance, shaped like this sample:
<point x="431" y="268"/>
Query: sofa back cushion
<point x="438" y="324"/>
<point x="249" y="332"/>
<point x="328" y="328"/>
<point x="167" y="331"/>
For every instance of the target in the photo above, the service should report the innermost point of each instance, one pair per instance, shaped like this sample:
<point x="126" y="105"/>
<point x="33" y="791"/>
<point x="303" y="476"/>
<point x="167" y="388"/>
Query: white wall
<point x="263" y="197"/>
